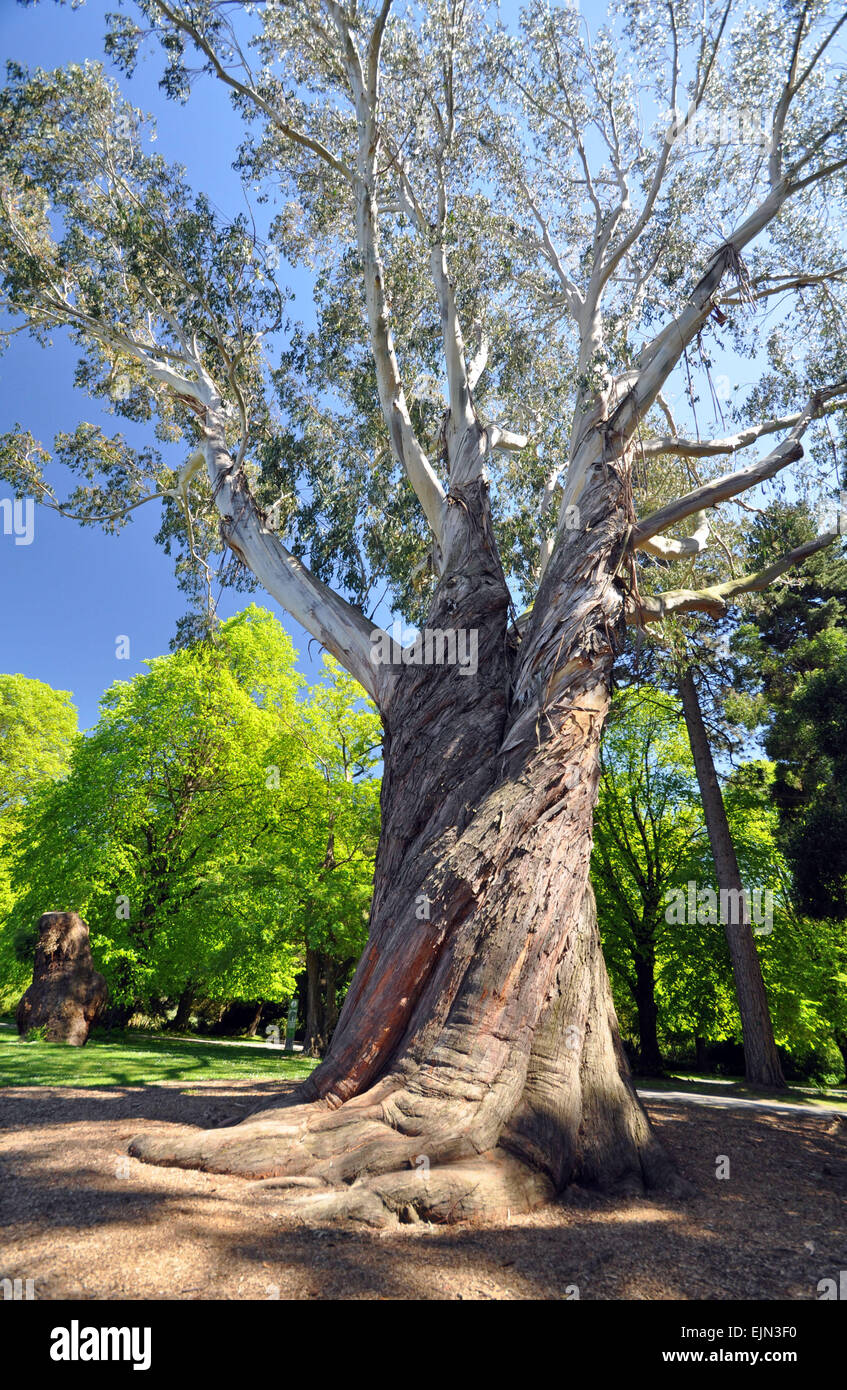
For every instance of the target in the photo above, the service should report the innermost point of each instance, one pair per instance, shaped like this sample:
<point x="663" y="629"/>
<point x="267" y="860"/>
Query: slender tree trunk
<point x="477" y="1067"/>
<point x="182" y="1016"/>
<point x="253" y="1025"/>
<point x="650" y="1057"/>
<point x="761" y="1061"/>
<point x="313" y="1043"/>
<point x="330" y="1005"/>
<point x="701" y="1053"/>
<point x="321" y="1007"/>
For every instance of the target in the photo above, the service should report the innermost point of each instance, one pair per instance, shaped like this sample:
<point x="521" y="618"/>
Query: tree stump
<point x="66" y="995"/>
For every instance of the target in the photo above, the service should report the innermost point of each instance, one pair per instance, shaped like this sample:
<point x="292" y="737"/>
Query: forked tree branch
<point x="659" y="357"/>
<point x="183" y="24"/>
<point x="731" y="484"/>
<point x="681" y="447"/>
<point x="364" y="86"/>
<point x="716" y="598"/>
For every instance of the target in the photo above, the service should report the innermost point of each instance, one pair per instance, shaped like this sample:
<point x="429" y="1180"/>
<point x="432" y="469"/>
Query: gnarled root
<point x="491" y="1187"/>
<point x="443" y="1145"/>
<point x="350" y="1163"/>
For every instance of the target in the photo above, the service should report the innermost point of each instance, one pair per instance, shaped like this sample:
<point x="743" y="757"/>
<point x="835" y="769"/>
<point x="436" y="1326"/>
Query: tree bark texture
<point x="476" y="1068"/>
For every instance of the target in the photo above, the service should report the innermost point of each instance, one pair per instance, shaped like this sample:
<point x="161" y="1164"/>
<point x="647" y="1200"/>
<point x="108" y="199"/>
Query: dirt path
<point x="84" y="1221"/>
<point x="737" y="1102"/>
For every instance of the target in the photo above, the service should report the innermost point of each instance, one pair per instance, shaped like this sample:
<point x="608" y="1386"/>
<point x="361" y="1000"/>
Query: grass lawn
<point x="136" y="1058"/>
<point x="140" y="1059"/>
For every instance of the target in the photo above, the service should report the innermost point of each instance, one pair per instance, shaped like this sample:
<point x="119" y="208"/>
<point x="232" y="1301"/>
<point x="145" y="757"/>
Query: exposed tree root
<point x="364" y="1138"/>
<point x="437" y="1145"/>
<point x="318" y="1164"/>
<point x="324" y="1165"/>
<point x="492" y="1187"/>
<point x="324" y="1172"/>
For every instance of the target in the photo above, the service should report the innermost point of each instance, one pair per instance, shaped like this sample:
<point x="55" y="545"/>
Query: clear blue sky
<point x="68" y="595"/>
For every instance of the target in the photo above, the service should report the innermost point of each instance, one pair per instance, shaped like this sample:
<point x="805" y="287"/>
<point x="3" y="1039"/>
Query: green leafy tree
<point x="648" y="828"/>
<point x="795" y="654"/>
<point x="658" y="899"/>
<point x="185" y="831"/>
<point x="342" y="738"/>
<point x="38" y="727"/>
<point x="802" y="960"/>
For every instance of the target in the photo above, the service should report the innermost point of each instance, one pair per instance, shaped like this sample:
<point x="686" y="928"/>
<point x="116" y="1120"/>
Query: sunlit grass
<point x="120" y="1059"/>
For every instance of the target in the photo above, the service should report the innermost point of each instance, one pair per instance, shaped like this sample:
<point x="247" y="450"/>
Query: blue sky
<point x="73" y="591"/>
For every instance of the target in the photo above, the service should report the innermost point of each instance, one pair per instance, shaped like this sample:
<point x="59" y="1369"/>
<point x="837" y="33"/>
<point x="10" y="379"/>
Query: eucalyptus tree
<point x="528" y="197"/>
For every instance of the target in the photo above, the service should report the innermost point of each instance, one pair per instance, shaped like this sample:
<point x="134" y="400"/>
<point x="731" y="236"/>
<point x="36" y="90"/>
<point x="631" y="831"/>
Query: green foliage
<point x="650" y="839"/>
<point x="136" y="1059"/>
<point x="38" y="726"/>
<point x="192" y="828"/>
<point x="796" y="650"/>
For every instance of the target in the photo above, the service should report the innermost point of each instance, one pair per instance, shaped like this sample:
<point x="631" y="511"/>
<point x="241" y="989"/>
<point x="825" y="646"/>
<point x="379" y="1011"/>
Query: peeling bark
<point x="478" y="1042"/>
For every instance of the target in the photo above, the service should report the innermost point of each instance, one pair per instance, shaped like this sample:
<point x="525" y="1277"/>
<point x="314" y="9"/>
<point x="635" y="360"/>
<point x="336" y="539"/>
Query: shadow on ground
<point x="84" y="1220"/>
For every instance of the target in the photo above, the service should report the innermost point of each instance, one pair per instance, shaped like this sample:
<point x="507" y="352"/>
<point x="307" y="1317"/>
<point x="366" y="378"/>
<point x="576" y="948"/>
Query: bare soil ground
<point x="85" y="1221"/>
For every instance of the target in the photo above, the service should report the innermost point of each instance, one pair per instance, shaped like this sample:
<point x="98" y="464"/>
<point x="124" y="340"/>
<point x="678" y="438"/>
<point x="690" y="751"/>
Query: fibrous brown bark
<point x="66" y="995"/>
<point x="761" y="1060"/>
<point x="476" y="1067"/>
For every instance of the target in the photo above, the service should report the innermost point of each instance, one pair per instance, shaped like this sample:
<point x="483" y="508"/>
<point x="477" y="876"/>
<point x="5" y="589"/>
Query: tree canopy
<point x="507" y="214"/>
<point x="192" y="825"/>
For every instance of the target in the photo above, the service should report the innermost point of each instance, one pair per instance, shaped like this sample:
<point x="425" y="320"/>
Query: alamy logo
<point x="14" y="1289"/>
<point x="77" y="1343"/>
<point x="435" y="646"/>
<point x="732" y="907"/>
<point x="727" y="126"/>
<point x="18" y="519"/>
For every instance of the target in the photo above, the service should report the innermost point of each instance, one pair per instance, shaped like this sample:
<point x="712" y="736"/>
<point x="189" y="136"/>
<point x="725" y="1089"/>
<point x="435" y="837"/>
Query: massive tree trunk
<point x="761" y="1061"/>
<point x="476" y="1067"/>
